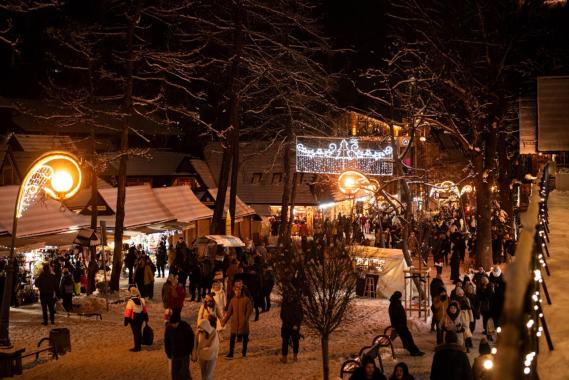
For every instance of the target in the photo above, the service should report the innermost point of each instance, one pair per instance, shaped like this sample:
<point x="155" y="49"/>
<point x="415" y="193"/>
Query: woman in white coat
<point x="206" y="349"/>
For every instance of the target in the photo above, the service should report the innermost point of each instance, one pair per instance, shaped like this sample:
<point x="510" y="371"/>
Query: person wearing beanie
<point x="398" y="319"/>
<point x="367" y="371"/>
<point x="467" y="316"/>
<point x="178" y="345"/>
<point x="135" y="314"/>
<point x="450" y="362"/>
<point x="483" y="364"/>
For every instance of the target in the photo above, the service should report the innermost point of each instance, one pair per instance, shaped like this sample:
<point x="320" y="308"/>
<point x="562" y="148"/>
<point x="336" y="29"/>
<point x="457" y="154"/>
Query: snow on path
<point x="100" y="348"/>
<point x="553" y="365"/>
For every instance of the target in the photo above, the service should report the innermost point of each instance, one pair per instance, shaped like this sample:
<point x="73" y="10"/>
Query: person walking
<point x="135" y="314"/>
<point x="450" y="362"/>
<point x="139" y="276"/>
<point x="268" y="284"/>
<point x="129" y="262"/>
<point x="453" y="321"/>
<point x="467" y="316"/>
<point x="291" y="317"/>
<point x="239" y="311"/>
<point x="77" y="274"/>
<point x="209" y="311"/>
<point x="398" y="319"/>
<point x="367" y="371"/>
<point x="436" y="287"/>
<point x="440" y="305"/>
<point x="485" y="294"/>
<point x="178" y="345"/>
<point x="149" y="271"/>
<point x="483" y="363"/>
<point x="401" y="372"/>
<point x="206" y="348"/>
<point x="48" y="286"/>
<point x="161" y="257"/>
<point x="66" y="288"/>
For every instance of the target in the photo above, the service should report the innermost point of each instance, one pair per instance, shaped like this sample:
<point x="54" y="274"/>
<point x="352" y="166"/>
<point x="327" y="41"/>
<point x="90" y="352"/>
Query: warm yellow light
<point x="61" y="181"/>
<point x="422" y="139"/>
<point x="488" y="364"/>
<point x="349" y="183"/>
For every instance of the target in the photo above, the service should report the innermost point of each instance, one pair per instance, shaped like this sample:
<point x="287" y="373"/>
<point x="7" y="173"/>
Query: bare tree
<point x="324" y="279"/>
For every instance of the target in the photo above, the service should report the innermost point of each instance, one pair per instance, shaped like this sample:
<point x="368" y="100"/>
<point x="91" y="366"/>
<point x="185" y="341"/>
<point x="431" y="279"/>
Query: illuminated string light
<point x="335" y="155"/>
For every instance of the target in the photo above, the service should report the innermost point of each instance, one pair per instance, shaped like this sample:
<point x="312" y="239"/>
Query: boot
<point x="295" y="357"/>
<point x="283" y="359"/>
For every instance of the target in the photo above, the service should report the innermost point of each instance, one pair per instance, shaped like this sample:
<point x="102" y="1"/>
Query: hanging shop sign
<point x="336" y="155"/>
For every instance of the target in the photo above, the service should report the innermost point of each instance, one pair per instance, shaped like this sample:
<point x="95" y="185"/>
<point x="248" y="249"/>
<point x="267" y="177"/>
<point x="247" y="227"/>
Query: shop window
<point x="277" y="178"/>
<point x="257" y="177"/>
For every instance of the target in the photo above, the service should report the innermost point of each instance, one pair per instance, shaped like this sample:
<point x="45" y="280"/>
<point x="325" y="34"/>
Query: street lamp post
<point x="58" y="175"/>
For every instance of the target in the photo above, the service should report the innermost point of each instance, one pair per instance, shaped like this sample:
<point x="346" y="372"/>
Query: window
<point x="277" y="178"/>
<point x="257" y="177"/>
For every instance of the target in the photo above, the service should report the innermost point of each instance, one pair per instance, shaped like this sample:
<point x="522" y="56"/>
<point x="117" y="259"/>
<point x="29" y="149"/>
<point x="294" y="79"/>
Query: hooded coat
<point x="206" y="345"/>
<point x="455" y="323"/>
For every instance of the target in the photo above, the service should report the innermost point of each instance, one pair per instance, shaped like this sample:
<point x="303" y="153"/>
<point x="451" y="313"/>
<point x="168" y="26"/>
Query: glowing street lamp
<point x="56" y="174"/>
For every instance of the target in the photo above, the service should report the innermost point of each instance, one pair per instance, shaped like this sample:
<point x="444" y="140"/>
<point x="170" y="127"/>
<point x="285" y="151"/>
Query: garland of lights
<point x="32" y="188"/>
<point x="332" y="157"/>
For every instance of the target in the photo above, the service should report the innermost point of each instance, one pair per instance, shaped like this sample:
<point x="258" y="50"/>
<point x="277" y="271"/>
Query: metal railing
<point x="523" y="321"/>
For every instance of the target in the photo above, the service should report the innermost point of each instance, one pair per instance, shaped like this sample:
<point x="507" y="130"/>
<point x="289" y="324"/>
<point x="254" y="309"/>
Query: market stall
<point x="384" y="266"/>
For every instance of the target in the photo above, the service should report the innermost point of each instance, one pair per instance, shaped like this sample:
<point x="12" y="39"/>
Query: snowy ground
<point x="100" y="348"/>
<point x="557" y="314"/>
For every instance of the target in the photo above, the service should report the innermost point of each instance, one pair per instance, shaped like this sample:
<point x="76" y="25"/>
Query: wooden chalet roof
<point x="261" y="176"/>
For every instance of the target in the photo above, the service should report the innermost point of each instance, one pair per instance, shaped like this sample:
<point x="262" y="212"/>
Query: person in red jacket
<point x="135" y="314"/>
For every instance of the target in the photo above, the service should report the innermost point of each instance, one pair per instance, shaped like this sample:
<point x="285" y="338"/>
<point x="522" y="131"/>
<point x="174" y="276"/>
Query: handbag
<point x="147" y="335"/>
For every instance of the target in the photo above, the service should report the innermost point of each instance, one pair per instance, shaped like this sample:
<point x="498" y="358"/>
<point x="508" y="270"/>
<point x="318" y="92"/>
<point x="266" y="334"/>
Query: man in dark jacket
<point x="129" y="262"/>
<point x="398" y="319"/>
<point x="48" y="286"/>
<point x="450" y="361"/>
<point x="291" y="316"/>
<point x="436" y="287"/>
<point x="178" y="344"/>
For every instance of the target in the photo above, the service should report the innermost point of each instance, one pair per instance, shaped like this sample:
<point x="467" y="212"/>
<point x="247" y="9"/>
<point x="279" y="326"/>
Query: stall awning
<point x="241" y="208"/>
<point x="45" y="217"/>
<point x="142" y="208"/>
<point x="223" y="240"/>
<point x="182" y="203"/>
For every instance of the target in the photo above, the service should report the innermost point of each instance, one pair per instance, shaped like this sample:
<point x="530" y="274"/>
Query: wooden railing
<point x="523" y="321"/>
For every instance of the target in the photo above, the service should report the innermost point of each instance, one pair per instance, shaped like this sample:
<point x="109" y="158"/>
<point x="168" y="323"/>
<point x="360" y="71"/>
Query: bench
<point x="88" y="315"/>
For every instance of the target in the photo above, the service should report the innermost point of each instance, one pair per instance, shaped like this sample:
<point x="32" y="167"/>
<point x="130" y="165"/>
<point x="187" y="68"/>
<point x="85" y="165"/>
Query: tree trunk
<point x="505" y="175"/>
<point x="484" y="224"/>
<point x="92" y="268"/>
<point x="292" y="204"/>
<point x="121" y="189"/>
<point x="283" y="226"/>
<point x="325" y="358"/>
<point x="219" y="217"/>
<point x="234" y="172"/>
<point x="120" y="213"/>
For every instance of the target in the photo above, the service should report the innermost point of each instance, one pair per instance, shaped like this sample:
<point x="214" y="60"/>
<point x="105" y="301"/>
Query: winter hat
<point x="134" y="292"/>
<point x="459" y="292"/>
<point x="451" y="337"/>
<point x="484" y="347"/>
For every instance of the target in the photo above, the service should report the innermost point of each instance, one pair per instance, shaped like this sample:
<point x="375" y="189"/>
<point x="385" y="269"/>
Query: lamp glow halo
<point x="40" y="175"/>
<point x="351" y="181"/>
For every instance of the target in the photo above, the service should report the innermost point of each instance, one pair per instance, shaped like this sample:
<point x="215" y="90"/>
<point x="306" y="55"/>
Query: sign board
<point x="331" y="155"/>
<point x="553" y="114"/>
<point x="528" y="125"/>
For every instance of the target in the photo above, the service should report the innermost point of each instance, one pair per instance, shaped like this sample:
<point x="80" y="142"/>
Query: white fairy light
<point x="527" y="370"/>
<point x="494" y="350"/>
<point x="530" y="323"/>
<point x="340" y="155"/>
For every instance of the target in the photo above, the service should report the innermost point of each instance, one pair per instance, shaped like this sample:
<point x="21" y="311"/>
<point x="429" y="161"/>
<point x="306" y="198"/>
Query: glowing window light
<point x="336" y="155"/>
